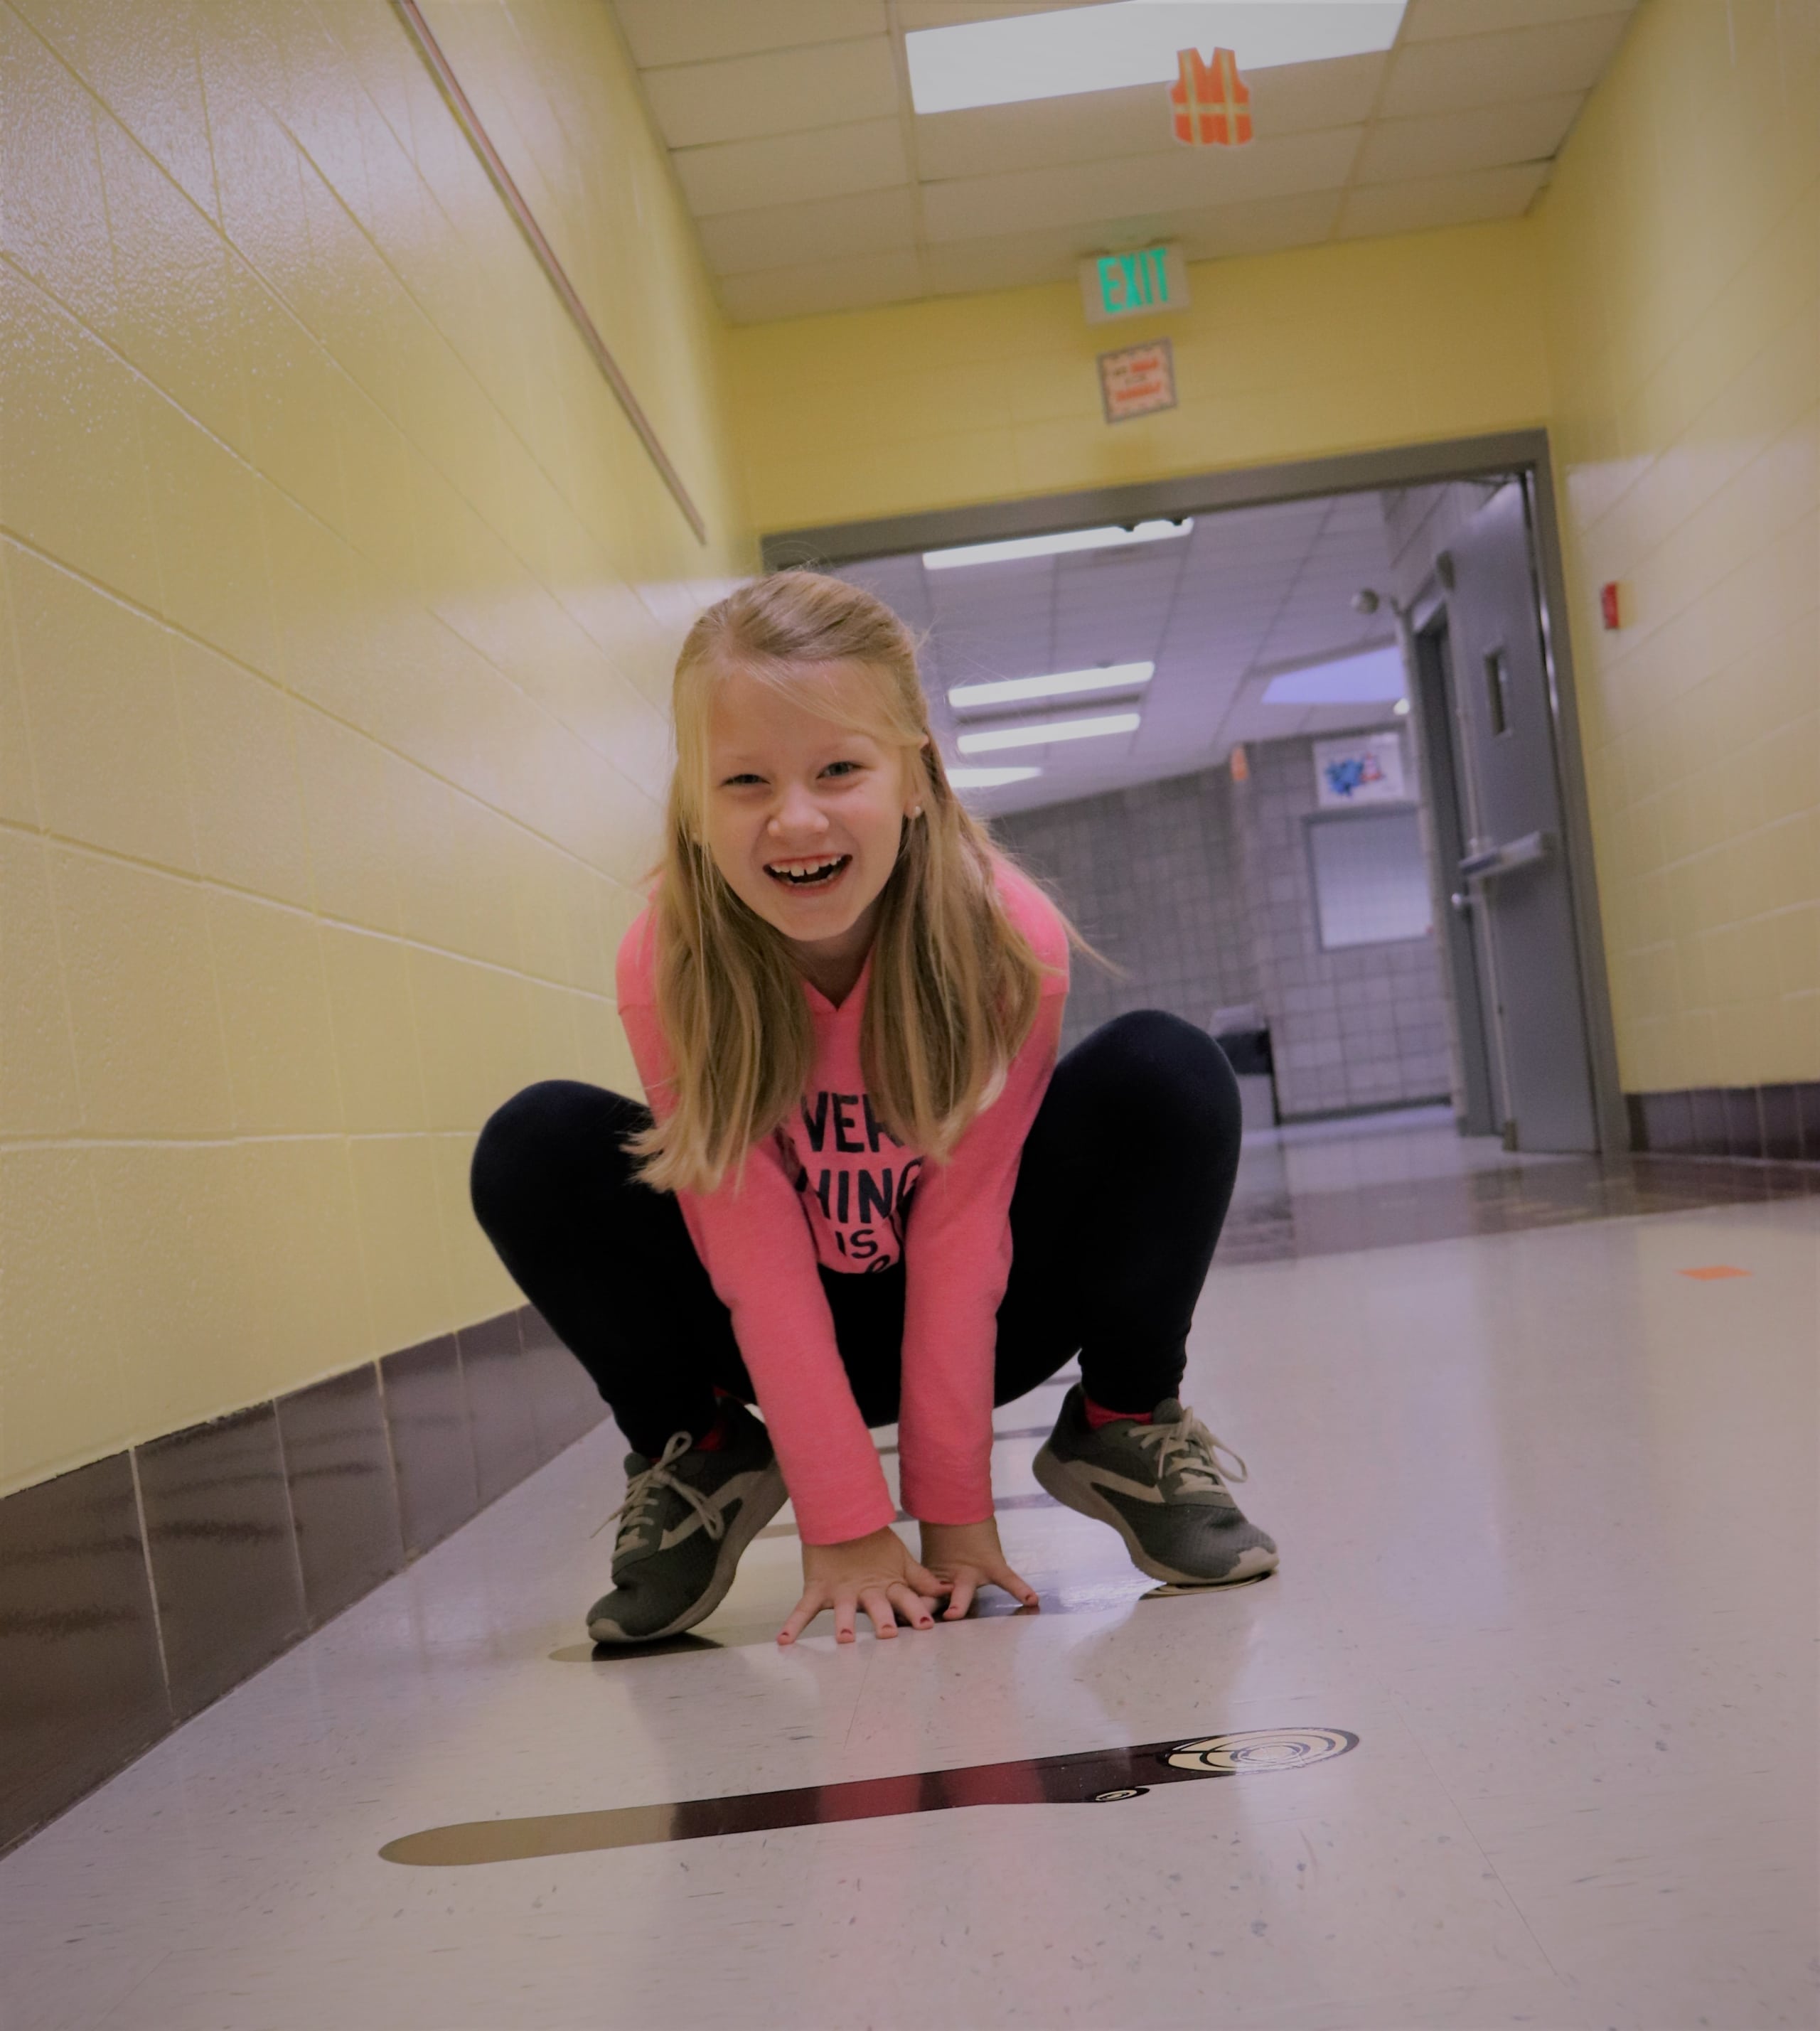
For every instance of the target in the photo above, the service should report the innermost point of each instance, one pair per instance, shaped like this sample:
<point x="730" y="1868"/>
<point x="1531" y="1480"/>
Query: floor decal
<point x="1089" y="1776"/>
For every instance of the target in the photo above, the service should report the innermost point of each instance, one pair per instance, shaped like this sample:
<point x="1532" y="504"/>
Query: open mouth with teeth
<point x="807" y="873"/>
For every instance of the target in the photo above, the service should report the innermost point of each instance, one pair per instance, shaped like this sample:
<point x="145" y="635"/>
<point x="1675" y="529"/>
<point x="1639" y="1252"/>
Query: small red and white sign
<point x="1212" y="103"/>
<point x="1138" y="380"/>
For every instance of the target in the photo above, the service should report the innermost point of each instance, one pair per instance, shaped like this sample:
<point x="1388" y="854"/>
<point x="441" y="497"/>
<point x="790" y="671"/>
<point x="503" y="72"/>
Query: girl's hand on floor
<point x="964" y="1557"/>
<point x="877" y="1573"/>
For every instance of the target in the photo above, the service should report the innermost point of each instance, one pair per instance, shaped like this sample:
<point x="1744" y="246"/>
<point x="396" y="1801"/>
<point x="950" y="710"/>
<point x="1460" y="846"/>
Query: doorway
<point x="1457" y="743"/>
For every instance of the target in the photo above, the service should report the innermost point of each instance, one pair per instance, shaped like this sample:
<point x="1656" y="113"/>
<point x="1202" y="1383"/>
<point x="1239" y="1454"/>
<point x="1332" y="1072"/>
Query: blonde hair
<point x="955" y="984"/>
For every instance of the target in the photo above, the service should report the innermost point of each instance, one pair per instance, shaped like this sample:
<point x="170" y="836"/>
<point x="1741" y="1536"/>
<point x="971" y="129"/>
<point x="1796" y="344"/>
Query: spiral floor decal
<point x="1086" y="1776"/>
<point x="1260" y="1749"/>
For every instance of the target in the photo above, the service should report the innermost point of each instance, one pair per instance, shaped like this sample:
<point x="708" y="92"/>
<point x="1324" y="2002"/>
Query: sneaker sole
<point x="767" y="1498"/>
<point x="1073" y="1490"/>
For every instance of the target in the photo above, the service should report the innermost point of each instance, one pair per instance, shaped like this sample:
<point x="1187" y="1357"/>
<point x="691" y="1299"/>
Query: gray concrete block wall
<point x="1201" y="889"/>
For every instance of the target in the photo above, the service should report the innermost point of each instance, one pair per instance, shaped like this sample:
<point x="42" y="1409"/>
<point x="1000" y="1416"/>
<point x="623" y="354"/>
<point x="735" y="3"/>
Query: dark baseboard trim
<point x="1773" y="1123"/>
<point x="137" y="1590"/>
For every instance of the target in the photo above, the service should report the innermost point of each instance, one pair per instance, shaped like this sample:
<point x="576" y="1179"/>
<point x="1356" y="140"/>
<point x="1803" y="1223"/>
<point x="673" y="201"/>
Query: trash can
<point x="1244" y="1035"/>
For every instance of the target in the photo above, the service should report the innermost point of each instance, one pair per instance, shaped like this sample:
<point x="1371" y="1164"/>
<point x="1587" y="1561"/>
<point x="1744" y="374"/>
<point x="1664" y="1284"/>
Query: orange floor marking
<point x="1713" y="1270"/>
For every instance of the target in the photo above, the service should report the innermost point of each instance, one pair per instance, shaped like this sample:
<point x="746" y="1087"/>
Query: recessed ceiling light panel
<point x="1040" y="734"/>
<point x="1373" y="678"/>
<point x="1050" y="546"/>
<point x="1014" y="690"/>
<point x="1130" y="41"/>
<point x="990" y="779"/>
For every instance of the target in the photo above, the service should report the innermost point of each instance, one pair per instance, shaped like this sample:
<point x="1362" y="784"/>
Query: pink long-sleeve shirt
<point x="833" y="1188"/>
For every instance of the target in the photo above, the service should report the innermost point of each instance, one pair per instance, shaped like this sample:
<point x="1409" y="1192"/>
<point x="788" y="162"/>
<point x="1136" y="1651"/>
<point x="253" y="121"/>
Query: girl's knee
<point x="538" y="1137"/>
<point x="1168" y="1077"/>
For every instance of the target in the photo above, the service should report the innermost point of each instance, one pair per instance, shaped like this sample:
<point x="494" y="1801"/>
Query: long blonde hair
<point x="954" y="985"/>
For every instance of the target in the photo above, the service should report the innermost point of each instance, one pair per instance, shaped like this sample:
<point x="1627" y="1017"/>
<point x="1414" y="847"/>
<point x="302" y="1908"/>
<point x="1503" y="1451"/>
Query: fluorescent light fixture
<point x="1050" y="546"/>
<point x="1369" y="678"/>
<point x="1040" y="735"/>
<point x="989" y="779"/>
<point x="1131" y="42"/>
<point x="1013" y="691"/>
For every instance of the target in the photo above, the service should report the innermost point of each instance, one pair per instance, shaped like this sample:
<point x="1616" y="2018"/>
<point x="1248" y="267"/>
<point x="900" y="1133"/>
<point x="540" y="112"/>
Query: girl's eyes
<point x="835" y="769"/>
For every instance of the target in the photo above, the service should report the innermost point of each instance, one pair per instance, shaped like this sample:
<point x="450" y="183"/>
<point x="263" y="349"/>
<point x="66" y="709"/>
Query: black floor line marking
<point x="1088" y="1776"/>
<point x="992" y="1607"/>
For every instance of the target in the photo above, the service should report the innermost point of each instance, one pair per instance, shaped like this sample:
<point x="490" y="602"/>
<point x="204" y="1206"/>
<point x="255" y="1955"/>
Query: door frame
<point x="1524" y="453"/>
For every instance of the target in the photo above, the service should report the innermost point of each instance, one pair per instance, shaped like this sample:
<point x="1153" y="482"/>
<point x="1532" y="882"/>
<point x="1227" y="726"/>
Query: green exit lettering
<point x="1135" y="282"/>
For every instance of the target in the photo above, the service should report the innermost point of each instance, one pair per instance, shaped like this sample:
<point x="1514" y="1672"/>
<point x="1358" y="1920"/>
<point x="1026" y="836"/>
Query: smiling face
<point x="805" y="814"/>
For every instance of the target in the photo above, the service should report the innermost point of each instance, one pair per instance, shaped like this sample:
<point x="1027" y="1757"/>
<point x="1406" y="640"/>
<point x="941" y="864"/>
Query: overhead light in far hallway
<point x="1373" y="676"/>
<point x="1012" y="690"/>
<point x="1040" y="734"/>
<point x="1112" y="538"/>
<point x="990" y="779"/>
<point x="1058" y="54"/>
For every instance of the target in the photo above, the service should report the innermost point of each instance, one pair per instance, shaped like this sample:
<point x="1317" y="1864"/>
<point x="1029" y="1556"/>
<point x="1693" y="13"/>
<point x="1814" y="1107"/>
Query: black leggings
<point x="1124" y="1182"/>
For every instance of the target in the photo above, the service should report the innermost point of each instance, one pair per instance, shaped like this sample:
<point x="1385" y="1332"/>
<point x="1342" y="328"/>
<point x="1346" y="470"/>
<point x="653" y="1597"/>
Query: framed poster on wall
<point x="1360" y="768"/>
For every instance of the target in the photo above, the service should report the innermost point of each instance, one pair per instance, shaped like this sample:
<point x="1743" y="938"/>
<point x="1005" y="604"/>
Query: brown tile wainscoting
<point x="1776" y="1123"/>
<point x="135" y="1590"/>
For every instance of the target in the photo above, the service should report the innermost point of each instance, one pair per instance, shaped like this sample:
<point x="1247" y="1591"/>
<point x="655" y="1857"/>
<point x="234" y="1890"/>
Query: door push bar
<point x="1524" y="852"/>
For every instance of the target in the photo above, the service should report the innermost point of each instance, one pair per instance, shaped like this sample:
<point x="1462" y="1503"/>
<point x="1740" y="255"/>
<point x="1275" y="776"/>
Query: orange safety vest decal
<point x="1212" y="101"/>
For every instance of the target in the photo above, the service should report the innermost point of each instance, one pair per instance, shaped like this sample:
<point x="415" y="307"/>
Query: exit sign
<point x="1135" y="283"/>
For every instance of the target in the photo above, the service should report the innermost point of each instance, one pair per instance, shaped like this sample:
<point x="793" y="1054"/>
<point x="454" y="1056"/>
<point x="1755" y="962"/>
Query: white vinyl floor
<point x="1548" y="1519"/>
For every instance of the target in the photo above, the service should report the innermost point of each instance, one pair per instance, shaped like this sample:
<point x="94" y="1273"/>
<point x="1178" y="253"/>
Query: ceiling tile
<point x="827" y="85"/>
<point x="1263" y="226"/>
<point x="1009" y="261"/>
<point x="786" y="169"/>
<point x="786" y="236"/>
<point x="1427" y="21"/>
<point x="1089" y="126"/>
<point x="1432" y="201"/>
<point x="1442" y="144"/>
<point x="1134" y="191"/>
<point x="1465" y="71"/>
<point x="680" y="32"/>
<point x="815" y="286"/>
<point x="914" y="14"/>
<point x="1099" y="126"/>
<point x="1295" y="99"/>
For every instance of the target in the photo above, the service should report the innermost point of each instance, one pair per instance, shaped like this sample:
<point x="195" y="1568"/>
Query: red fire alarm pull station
<point x="1211" y="102"/>
<point x="1608" y="612"/>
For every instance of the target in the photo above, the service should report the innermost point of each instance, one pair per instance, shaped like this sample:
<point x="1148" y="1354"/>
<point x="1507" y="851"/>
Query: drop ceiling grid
<point x="1218" y="611"/>
<point x="817" y="187"/>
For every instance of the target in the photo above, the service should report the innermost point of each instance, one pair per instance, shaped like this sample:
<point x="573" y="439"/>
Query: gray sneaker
<point x="1158" y="1486"/>
<point x="687" y="1517"/>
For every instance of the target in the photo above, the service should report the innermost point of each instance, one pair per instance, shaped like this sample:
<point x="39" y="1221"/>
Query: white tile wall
<point x="1200" y="891"/>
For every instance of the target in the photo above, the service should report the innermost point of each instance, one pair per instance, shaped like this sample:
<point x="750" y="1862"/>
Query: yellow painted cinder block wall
<point x="1296" y="355"/>
<point x="339" y="603"/>
<point x="1681" y="256"/>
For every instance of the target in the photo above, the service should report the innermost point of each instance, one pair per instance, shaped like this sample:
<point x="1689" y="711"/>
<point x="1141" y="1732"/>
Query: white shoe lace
<point x="643" y="1487"/>
<point x="1188" y="1448"/>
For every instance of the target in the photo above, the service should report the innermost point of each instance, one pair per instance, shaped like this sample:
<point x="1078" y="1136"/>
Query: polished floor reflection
<point x="1383" y="1180"/>
<point x="1547" y="1511"/>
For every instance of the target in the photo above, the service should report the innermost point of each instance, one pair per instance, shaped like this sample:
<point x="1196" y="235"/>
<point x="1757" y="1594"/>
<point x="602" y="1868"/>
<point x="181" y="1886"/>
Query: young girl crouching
<point x="864" y="1190"/>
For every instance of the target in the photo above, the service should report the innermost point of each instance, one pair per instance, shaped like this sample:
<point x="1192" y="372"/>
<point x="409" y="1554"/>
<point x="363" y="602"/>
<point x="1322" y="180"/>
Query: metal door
<point x="1482" y="1110"/>
<point x="1512" y="879"/>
